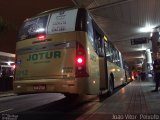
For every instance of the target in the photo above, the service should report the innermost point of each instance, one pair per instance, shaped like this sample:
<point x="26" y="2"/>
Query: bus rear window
<point x="33" y="27"/>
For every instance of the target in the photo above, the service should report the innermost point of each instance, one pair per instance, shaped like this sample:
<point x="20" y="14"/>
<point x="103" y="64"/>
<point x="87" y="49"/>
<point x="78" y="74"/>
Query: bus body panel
<point x="46" y="60"/>
<point x="73" y="86"/>
<point x="119" y="75"/>
<point x="94" y="70"/>
<point x="103" y="75"/>
<point x="56" y="74"/>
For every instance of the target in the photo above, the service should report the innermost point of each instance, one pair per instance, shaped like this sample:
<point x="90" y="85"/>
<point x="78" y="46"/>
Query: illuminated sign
<point x="62" y="21"/>
<point x="136" y="41"/>
<point x="105" y="38"/>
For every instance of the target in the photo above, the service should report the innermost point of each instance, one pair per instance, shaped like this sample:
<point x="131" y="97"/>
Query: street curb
<point x="6" y="94"/>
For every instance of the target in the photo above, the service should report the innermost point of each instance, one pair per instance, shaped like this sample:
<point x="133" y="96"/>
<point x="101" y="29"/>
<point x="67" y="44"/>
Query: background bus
<point x="65" y="51"/>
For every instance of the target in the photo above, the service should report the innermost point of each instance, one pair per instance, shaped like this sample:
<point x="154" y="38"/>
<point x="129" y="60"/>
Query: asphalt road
<point x="47" y="106"/>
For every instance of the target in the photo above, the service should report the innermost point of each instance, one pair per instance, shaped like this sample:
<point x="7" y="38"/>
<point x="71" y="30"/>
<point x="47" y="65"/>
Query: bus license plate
<point x="39" y="87"/>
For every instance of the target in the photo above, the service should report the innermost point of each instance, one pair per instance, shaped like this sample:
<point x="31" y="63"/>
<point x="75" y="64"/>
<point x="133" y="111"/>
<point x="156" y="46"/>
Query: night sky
<point x="14" y="12"/>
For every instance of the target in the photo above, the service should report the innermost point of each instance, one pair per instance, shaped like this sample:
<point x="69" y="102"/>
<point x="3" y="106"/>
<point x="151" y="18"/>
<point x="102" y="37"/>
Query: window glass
<point x="112" y="52"/>
<point x="32" y="27"/>
<point x="121" y="60"/>
<point x="114" y="55"/>
<point x="108" y="51"/>
<point x="90" y="30"/>
<point x="118" y="59"/>
<point x="99" y="43"/>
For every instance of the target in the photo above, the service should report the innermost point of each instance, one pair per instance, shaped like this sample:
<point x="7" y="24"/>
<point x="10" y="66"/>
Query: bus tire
<point x="111" y="86"/>
<point x="71" y="96"/>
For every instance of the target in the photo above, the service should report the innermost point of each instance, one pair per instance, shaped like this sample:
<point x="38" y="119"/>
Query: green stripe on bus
<point x="44" y="55"/>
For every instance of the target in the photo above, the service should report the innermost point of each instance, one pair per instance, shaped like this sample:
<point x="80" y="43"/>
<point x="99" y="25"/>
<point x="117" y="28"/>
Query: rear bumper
<point x="46" y="85"/>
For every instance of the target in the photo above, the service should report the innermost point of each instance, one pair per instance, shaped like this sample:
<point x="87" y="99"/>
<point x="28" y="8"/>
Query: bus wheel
<point x="111" y="86"/>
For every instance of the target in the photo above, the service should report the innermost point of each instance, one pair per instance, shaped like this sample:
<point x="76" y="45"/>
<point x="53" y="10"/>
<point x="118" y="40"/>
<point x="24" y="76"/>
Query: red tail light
<point x="14" y="76"/>
<point x="14" y="66"/>
<point x="41" y="37"/>
<point x="80" y="61"/>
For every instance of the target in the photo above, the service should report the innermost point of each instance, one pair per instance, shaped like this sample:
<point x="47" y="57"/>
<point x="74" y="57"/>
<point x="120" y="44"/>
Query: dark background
<point x="14" y="12"/>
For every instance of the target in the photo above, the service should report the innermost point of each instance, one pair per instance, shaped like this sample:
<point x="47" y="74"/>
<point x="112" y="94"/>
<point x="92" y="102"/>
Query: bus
<point x="64" y="51"/>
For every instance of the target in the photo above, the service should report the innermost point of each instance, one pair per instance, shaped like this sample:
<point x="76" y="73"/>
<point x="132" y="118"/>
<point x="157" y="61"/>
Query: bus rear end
<point x="49" y="55"/>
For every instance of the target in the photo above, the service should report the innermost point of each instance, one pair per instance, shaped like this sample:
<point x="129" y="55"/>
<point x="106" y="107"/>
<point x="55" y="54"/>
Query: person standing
<point x="156" y="68"/>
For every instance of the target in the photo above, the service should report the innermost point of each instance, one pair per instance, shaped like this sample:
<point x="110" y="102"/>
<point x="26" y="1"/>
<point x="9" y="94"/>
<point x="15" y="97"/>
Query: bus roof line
<point x="7" y="54"/>
<point x="49" y="11"/>
<point x="57" y="9"/>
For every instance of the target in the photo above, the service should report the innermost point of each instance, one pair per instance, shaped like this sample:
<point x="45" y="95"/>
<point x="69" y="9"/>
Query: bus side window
<point x="99" y="43"/>
<point x="108" y="51"/>
<point x="113" y="56"/>
<point x="119" y="60"/>
<point x="112" y="52"/>
<point x="95" y="37"/>
<point x="90" y="30"/>
<point x="116" y="58"/>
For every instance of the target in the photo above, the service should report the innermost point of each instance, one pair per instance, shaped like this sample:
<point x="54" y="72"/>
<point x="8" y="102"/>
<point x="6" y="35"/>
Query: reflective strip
<point x="45" y="47"/>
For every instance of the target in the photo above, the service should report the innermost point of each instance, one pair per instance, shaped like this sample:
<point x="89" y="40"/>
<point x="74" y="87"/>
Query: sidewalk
<point x="134" y="101"/>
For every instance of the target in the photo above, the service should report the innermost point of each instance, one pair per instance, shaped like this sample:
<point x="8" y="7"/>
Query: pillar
<point x="154" y="40"/>
<point x="149" y="66"/>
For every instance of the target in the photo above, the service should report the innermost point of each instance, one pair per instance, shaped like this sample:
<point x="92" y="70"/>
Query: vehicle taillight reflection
<point x="13" y="66"/>
<point x="41" y="37"/>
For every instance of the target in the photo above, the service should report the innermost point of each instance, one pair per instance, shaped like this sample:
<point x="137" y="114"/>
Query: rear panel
<point x="50" y="59"/>
<point x="47" y="46"/>
<point x="47" y="66"/>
